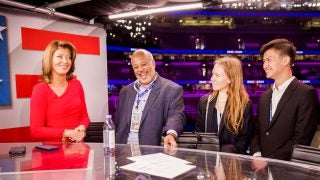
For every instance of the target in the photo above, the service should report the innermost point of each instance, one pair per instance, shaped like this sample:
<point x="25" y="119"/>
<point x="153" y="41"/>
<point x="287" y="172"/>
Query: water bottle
<point x="108" y="136"/>
<point x="110" y="166"/>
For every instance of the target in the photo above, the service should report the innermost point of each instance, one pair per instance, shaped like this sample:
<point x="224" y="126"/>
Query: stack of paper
<point x="159" y="164"/>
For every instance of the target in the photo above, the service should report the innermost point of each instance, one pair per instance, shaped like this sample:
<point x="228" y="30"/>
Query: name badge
<point x="135" y="121"/>
<point x="135" y="150"/>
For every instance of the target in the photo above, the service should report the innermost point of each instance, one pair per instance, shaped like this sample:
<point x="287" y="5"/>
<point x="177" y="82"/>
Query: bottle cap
<point x="108" y="116"/>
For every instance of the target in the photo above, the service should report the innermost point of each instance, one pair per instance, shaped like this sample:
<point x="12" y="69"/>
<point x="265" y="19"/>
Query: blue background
<point x="4" y="66"/>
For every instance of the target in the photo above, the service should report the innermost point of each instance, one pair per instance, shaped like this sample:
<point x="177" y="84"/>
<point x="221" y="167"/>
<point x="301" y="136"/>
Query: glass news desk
<point x="77" y="161"/>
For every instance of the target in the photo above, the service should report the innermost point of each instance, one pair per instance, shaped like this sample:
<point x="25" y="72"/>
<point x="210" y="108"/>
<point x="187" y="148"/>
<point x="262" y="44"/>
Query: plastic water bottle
<point x="108" y="136"/>
<point x="110" y="166"/>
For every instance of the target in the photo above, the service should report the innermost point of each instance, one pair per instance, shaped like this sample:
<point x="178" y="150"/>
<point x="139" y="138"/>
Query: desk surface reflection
<point x="86" y="161"/>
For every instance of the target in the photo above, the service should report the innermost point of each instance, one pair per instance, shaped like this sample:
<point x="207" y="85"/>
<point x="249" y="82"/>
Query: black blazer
<point x="294" y="121"/>
<point x="229" y="142"/>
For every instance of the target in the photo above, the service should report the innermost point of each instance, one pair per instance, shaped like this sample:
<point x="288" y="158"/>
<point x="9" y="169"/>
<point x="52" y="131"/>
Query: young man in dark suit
<point x="150" y="107"/>
<point x="288" y="112"/>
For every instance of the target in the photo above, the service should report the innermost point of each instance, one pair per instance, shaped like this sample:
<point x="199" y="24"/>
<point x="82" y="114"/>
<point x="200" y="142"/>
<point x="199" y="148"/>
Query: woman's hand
<point x="80" y="128"/>
<point x="75" y="135"/>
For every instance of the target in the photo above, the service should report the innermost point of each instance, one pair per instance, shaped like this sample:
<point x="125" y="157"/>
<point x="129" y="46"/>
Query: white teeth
<point x="64" y="67"/>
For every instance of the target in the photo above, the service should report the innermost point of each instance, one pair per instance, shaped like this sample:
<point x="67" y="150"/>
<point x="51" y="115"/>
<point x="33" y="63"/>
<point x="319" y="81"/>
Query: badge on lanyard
<point x="137" y="112"/>
<point x="135" y="150"/>
<point x="135" y="121"/>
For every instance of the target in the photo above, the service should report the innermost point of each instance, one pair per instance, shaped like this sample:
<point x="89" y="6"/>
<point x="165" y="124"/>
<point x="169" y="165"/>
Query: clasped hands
<point x="75" y="135"/>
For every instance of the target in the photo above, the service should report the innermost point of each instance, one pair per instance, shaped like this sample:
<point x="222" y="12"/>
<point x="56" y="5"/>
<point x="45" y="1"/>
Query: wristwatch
<point x="172" y="134"/>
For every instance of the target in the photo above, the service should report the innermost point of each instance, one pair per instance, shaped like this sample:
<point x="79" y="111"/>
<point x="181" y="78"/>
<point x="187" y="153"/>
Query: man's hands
<point x="170" y="141"/>
<point x="170" y="144"/>
<point x="74" y="135"/>
<point x="258" y="164"/>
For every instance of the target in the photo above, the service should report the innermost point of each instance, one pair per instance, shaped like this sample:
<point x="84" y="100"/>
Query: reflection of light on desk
<point x="90" y="164"/>
<point x="1" y="80"/>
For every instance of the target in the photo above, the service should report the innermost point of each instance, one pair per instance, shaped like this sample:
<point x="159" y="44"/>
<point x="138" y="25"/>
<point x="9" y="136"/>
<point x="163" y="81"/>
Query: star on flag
<point x="1" y="29"/>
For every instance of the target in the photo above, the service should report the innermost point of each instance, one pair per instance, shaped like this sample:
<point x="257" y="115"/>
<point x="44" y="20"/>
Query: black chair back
<point x="94" y="132"/>
<point x="306" y="154"/>
<point x="197" y="140"/>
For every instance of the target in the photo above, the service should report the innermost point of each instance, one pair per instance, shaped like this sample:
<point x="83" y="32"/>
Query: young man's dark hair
<point x="284" y="46"/>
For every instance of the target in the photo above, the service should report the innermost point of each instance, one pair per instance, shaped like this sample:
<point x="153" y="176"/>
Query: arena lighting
<point x="183" y="82"/>
<point x="49" y="11"/>
<point x="231" y="1"/>
<point x="248" y="13"/>
<point x="205" y="51"/>
<point x="156" y="10"/>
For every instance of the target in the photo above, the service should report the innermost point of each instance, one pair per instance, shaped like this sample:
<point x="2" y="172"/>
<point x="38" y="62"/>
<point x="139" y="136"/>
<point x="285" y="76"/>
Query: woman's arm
<point x="38" y="113"/>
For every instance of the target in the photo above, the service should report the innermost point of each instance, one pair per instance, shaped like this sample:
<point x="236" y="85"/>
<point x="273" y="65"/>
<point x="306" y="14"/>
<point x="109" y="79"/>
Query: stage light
<point x="156" y="10"/>
<point x="231" y="1"/>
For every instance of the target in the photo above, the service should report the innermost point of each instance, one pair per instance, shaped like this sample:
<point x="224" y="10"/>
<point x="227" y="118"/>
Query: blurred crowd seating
<point x="194" y="76"/>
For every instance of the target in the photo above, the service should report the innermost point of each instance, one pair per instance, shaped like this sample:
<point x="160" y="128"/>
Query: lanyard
<point x="219" y="117"/>
<point x="142" y="93"/>
<point x="270" y="116"/>
<point x="207" y="108"/>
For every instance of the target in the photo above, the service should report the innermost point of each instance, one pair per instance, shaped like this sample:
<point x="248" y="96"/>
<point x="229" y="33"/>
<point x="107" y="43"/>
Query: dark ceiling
<point x="240" y="24"/>
<point x="99" y="9"/>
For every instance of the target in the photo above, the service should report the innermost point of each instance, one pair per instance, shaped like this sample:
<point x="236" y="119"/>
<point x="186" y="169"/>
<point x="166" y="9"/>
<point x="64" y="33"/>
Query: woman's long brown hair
<point x="237" y="95"/>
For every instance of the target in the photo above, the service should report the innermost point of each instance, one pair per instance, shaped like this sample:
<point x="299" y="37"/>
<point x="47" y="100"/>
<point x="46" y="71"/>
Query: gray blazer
<point x="164" y="110"/>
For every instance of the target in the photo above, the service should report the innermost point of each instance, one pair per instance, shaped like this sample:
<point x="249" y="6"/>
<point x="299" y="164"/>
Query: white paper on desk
<point x="158" y="158"/>
<point x="163" y="169"/>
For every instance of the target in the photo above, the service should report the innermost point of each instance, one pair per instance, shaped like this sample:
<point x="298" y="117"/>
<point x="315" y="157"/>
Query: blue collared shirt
<point x="133" y="137"/>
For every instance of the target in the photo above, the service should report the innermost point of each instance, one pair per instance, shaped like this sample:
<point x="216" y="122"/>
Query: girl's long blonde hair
<point x="233" y="169"/>
<point x="237" y="95"/>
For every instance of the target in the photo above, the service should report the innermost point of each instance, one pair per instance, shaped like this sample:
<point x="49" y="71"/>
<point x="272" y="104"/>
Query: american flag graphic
<point x="4" y="66"/>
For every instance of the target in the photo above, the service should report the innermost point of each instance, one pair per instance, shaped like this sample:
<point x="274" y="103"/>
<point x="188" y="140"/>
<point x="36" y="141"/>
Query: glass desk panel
<point x="87" y="161"/>
<point x="218" y="165"/>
